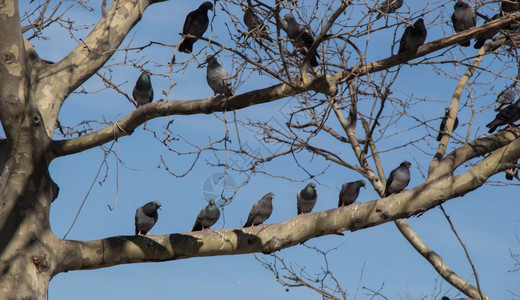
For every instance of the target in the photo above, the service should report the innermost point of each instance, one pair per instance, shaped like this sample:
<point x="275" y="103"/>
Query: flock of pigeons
<point x="146" y="216"/>
<point x="196" y="24"/>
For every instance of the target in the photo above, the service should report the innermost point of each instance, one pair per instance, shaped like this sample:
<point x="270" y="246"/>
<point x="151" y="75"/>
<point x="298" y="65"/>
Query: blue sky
<point x="487" y="219"/>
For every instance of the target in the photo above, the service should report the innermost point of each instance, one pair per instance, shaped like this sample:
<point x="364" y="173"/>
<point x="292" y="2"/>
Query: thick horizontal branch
<point x="150" y="111"/>
<point x="271" y="238"/>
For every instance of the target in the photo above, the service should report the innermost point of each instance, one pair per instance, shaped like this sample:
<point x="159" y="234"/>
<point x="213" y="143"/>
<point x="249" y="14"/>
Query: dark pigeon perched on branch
<point x="300" y="37"/>
<point x="464" y="17"/>
<point x="413" y="37"/>
<point x="143" y="91"/>
<point x="254" y="25"/>
<point x="195" y="25"/>
<point x="260" y="211"/>
<point x="398" y="179"/>
<point x="443" y="124"/>
<point x="349" y="192"/>
<point x="387" y="7"/>
<point x="505" y="97"/>
<point x="508" y="115"/>
<point x="306" y="199"/>
<point x="146" y="216"/>
<point x="218" y="78"/>
<point x="207" y="217"/>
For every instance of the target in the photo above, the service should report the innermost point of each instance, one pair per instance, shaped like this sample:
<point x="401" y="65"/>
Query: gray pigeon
<point x="483" y="37"/>
<point x="464" y="17"/>
<point x="505" y="97"/>
<point x="306" y="199"/>
<point x="254" y="24"/>
<point x="443" y="124"/>
<point x="207" y="217"/>
<point x="508" y="115"/>
<point x="387" y="7"/>
<point x="218" y="77"/>
<point x="146" y="216"/>
<point x="260" y="211"/>
<point x="413" y="37"/>
<point x="195" y="25"/>
<point x="143" y="91"/>
<point x="300" y="37"/>
<point x="349" y="192"/>
<point x="398" y="179"/>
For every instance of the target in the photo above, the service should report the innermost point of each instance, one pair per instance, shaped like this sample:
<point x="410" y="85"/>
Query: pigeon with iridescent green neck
<point x="146" y="217"/>
<point x="143" y="91"/>
<point x="306" y="199"/>
<point x="260" y="211"/>
<point x="207" y="217"/>
<point x="349" y="192"/>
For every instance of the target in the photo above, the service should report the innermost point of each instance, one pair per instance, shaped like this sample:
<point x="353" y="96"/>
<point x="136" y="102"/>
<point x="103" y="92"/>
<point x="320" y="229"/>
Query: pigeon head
<point x="406" y="164"/>
<point x="268" y="196"/>
<point x="211" y="202"/>
<point x="211" y="60"/>
<point x="151" y="208"/>
<point x="289" y="18"/>
<point x="419" y="23"/>
<point x="459" y="4"/>
<point x="360" y="183"/>
<point x="144" y="80"/>
<point x="311" y="186"/>
<point x="206" y="6"/>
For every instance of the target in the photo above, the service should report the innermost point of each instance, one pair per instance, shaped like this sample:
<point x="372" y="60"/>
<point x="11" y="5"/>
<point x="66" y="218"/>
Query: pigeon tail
<point x="187" y="45"/>
<point x="479" y="43"/>
<point x="197" y="226"/>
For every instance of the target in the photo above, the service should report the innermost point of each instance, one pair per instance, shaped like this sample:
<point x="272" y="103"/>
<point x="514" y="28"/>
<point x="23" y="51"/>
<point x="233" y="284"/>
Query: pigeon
<point x="508" y="115"/>
<point x="509" y="6"/>
<point x="254" y="24"/>
<point x="443" y="124"/>
<point x="387" y="7"/>
<point x="260" y="211"/>
<point x="463" y="17"/>
<point x="146" y="216"/>
<point x="195" y="25"/>
<point x="505" y="97"/>
<point x="306" y="198"/>
<point x="413" y="37"/>
<point x="207" y="217"/>
<point x="143" y="91"/>
<point x="300" y="37"/>
<point x="398" y="179"/>
<point x="218" y="78"/>
<point x="349" y="192"/>
<point x="481" y="38"/>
